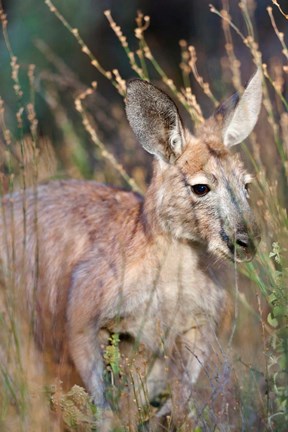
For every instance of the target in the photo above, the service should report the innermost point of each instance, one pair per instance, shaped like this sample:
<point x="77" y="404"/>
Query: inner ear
<point x="238" y="115"/>
<point x="176" y="138"/>
<point x="155" y="120"/>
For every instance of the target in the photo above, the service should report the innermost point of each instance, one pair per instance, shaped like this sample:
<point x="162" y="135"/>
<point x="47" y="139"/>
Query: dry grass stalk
<point x="95" y="139"/>
<point x="123" y="40"/>
<point x="275" y="2"/>
<point x="84" y="47"/>
<point x="229" y="47"/>
<point x="192" y="62"/>
<point x="279" y="34"/>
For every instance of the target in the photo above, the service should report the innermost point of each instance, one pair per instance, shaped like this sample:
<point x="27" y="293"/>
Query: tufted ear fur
<point x="239" y="114"/>
<point x="155" y="120"/>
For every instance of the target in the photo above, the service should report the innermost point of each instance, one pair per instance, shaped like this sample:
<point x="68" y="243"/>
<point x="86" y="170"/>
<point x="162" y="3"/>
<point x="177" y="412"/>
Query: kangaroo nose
<point x="242" y="240"/>
<point x="245" y="246"/>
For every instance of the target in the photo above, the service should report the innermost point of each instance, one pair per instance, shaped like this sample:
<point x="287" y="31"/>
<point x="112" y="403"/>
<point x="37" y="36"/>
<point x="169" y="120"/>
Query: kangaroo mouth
<point x="234" y="255"/>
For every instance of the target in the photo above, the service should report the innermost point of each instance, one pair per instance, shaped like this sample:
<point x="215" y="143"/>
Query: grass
<point x="244" y="386"/>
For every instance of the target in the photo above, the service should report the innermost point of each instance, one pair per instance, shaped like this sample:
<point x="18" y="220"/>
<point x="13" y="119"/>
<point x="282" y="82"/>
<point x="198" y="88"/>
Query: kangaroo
<point x="98" y="257"/>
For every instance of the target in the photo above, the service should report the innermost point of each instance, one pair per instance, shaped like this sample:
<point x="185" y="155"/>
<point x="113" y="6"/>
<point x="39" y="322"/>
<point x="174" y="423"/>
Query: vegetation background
<point x="55" y="123"/>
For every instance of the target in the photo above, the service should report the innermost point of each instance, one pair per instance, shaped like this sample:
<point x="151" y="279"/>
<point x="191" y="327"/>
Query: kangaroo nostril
<point x="242" y="243"/>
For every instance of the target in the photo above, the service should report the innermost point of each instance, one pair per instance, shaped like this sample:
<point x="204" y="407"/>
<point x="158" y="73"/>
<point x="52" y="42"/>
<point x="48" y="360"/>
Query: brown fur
<point x="92" y="257"/>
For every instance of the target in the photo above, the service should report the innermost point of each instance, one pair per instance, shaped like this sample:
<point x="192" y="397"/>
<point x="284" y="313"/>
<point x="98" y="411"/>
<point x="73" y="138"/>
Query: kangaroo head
<point x="200" y="189"/>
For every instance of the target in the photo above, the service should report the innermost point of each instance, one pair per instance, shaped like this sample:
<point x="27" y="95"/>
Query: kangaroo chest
<point x="176" y="297"/>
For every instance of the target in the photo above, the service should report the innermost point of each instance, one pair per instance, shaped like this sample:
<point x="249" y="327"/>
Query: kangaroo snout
<point x="247" y="239"/>
<point x="246" y="246"/>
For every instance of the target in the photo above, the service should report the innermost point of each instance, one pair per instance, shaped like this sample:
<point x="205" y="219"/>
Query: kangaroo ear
<point x="239" y="114"/>
<point x="155" y="120"/>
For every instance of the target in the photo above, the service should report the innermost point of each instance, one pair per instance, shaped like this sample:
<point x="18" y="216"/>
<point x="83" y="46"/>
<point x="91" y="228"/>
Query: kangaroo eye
<point x="200" y="189"/>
